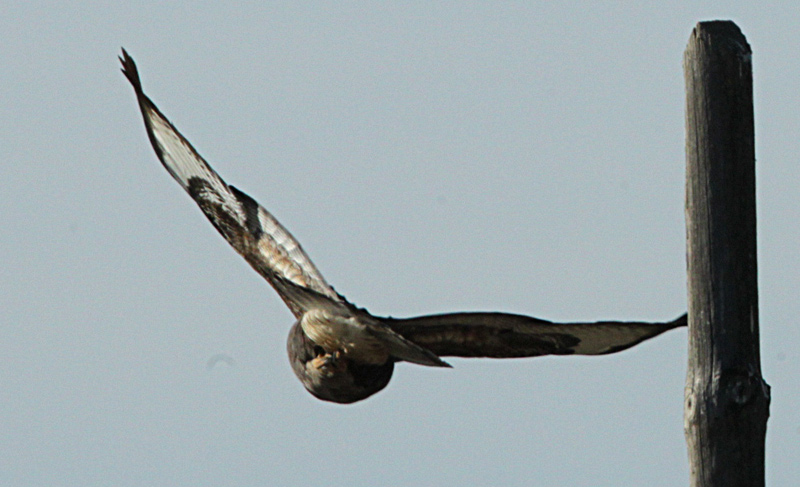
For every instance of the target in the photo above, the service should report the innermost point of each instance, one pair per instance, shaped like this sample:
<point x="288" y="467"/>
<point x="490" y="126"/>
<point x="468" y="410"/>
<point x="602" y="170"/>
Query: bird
<point x="340" y="352"/>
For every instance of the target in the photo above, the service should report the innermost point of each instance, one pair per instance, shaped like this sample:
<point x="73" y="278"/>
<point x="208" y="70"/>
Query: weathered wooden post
<point x="726" y="398"/>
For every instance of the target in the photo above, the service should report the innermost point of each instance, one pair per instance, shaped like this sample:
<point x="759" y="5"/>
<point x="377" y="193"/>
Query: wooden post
<point x="726" y="399"/>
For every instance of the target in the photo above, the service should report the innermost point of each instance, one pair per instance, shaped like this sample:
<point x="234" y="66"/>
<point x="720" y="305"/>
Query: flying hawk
<point x="340" y="352"/>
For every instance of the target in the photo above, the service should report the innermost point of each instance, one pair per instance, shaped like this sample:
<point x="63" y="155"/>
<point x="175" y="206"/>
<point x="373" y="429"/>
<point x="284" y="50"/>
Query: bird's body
<point x="344" y="334"/>
<point x="340" y="352"/>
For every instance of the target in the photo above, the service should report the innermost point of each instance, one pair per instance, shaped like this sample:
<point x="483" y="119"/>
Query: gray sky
<point x="430" y="159"/>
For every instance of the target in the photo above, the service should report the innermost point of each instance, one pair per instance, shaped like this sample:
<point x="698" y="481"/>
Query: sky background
<point x="430" y="158"/>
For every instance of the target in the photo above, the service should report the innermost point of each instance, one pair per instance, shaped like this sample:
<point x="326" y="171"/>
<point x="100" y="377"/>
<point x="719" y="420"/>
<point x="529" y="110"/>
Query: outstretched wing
<point x="248" y="227"/>
<point x="502" y="335"/>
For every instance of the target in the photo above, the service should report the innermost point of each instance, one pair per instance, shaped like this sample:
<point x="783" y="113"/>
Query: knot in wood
<point x="738" y="388"/>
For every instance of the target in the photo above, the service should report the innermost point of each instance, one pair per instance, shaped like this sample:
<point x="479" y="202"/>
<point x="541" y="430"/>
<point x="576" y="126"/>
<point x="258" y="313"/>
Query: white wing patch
<point x="179" y="157"/>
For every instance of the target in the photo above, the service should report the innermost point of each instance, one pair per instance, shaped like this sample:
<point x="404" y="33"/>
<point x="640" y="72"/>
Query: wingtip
<point x="129" y="70"/>
<point x="682" y="320"/>
<point x="125" y="59"/>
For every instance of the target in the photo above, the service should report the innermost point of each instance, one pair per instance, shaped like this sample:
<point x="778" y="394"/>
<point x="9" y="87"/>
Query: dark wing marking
<point x="248" y="227"/>
<point x="501" y="335"/>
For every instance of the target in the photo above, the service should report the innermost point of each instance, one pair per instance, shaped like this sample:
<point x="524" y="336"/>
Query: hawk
<point x="340" y="352"/>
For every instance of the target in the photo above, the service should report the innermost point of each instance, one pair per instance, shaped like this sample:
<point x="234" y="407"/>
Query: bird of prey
<point x="342" y="353"/>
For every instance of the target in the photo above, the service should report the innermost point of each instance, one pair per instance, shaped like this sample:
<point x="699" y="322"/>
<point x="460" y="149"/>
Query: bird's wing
<point x="502" y="335"/>
<point x="249" y="228"/>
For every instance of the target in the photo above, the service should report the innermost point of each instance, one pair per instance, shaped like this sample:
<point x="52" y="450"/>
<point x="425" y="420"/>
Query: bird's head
<point x="334" y="378"/>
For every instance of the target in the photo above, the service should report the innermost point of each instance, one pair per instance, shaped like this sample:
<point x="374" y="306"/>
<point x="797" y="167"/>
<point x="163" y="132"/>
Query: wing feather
<point x="502" y="335"/>
<point x="252" y="231"/>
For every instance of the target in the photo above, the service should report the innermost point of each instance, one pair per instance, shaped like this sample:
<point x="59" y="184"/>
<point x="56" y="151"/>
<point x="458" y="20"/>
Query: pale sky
<point x="512" y="157"/>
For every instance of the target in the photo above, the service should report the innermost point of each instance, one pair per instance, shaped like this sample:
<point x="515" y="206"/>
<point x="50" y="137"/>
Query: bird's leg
<point x="327" y="361"/>
<point x="331" y="359"/>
